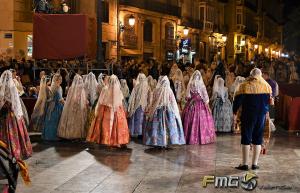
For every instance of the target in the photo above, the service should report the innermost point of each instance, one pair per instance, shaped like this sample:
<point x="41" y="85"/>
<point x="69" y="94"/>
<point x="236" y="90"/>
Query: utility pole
<point x="99" y="33"/>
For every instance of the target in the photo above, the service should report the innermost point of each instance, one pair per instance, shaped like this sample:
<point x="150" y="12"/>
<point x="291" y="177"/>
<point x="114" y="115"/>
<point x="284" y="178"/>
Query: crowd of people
<point x="164" y="105"/>
<point x="283" y="70"/>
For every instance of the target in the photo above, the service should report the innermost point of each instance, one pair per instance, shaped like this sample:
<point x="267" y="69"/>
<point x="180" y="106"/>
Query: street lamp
<point x="267" y="50"/>
<point x="224" y="38"/>
<point x="131" y="20"/>
<point x="186" y="31"/>
<point x="255" y="46"/>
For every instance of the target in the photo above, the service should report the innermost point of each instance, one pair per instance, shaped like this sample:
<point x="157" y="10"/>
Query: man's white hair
<point x="256" y="72"/>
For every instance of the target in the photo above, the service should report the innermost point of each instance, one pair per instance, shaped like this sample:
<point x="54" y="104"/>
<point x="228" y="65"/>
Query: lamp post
<point x="99" y="33"/>
<point x="224" y="39"/>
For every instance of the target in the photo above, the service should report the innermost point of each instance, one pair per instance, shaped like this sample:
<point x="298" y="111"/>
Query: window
<point x="239" y="16"/>
<point x="210" y="16"/>
<point x="169" y="31"/>
<point x="148" y="31"/>
<point x="105" y="11"/>
<point x="202" y="14"/>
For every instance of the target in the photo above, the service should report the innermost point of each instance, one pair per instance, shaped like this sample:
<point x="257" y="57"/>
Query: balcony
<point x="193" y="23"/>
<point x="152" y="5"/>
<point x="208" y="26"/>
<point x="240" y="28"/>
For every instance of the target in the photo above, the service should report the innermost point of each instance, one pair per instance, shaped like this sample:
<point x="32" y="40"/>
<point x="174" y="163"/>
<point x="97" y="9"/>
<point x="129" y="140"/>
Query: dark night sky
<point x="291" y="28"/>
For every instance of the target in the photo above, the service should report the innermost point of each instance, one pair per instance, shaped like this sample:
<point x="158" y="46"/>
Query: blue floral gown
<point x="164" y="129"/>
<point x="53" y="113"/>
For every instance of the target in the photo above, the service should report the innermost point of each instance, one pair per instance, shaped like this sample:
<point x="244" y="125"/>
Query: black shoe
<point x="242" y="167"/>
<point x="255" y="167"/>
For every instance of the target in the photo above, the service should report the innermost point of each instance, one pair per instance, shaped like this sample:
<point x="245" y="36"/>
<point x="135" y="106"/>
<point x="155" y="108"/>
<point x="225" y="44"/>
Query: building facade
<point x="16" y="28"/>
<point x="232" y="30"/>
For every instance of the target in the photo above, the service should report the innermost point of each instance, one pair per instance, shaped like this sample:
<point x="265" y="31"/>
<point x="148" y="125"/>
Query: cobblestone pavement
<point x="72" y="167"/>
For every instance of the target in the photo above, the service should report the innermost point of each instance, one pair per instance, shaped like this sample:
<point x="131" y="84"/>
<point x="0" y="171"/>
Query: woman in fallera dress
<point x="179" y="86"/>
<point x="73" y="118"/>
<point x="13" y="131"/>
<point x="54" y="108"/>
<point x="92" y="95"/>
<point x="221" y="107"/>
<point x="38" y="114"/>
<point x="126" y="93"/>
<point x="110" y="124"/>
<point x="164" y="126"/>
<point x="137" y="104"/>
<point x="197" y="118"/>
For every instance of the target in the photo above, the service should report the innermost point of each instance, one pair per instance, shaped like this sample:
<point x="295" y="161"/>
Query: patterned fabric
<point x="198" y="122"/>
<point x="164" y="129"/>
<point x="109" y="127"/>
<point x="38" y="115"/>
<point x="135" y="122"/>
<point x="13" y="132"/>
<point x="254" y="86"/>
<point x="25" y="114"/>
<point x="54" y="109"/>
<point x="222" y="114"/>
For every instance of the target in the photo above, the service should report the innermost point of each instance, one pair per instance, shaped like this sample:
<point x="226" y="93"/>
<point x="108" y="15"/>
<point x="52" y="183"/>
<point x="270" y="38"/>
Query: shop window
<point x="148" y="30"/>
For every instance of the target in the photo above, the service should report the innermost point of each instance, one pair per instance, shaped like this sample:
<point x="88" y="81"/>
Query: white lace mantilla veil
<point x="54" y="87"/>
<point x="159" y="81"/>
<point x="9" y="93"/>
<point x="238" y="80"/>
<point x="219" y="89"/>
<point x="196" y="85"/>
<point x="76" y="103"/>
<point x="91" y="85"/>
<point x="39" y="107"/>
<point x="139" y="95"/>
<point x="179" y="84"/>
<point x="100" y="78"/>
<point x="112" y="96"/>
<point x="164" y="96"/>
<point x="151" y="82"/>
<point x="124" y="88"/>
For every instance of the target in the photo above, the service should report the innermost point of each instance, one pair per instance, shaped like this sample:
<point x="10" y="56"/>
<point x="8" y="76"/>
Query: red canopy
<point x="59" y="36"/>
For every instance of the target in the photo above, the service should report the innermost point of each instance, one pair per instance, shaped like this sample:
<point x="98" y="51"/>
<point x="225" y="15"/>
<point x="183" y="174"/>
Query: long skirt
<point x="13" y="132"/>
<point x="51" y="123"/>
<point x="198" y="122"/>
<point x="164" y="129"/>
<point x="135" y="122"/>
<point x="109" y="127"/>
<point x="222" y="114"/>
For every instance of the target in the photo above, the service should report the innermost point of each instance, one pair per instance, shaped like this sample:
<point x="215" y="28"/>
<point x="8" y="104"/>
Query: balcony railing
<point x="208" y="26"/>
<point x="240" y="28"/>
<point x="153" y="5"/>
<point x="193" y="23"/>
